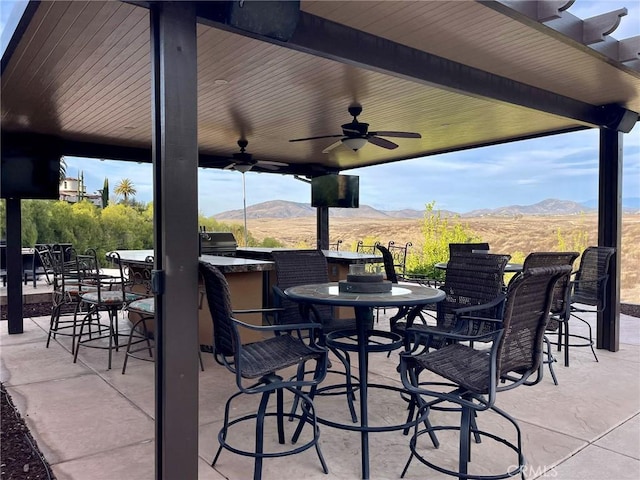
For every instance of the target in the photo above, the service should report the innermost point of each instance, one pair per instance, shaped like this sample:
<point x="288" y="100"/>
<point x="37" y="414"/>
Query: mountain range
<point x="550" y="206"/>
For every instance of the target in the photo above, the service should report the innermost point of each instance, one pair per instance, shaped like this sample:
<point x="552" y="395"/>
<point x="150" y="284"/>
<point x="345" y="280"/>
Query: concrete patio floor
<point x="93" y="423"/>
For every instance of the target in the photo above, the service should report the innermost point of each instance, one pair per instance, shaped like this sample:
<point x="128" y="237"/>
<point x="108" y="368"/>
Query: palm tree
<point x="125" y="188"/>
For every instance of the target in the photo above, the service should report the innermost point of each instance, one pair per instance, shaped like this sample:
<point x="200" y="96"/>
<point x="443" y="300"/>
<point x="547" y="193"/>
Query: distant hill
<point x="549" y="206"/>
<point x="286" y="209"/>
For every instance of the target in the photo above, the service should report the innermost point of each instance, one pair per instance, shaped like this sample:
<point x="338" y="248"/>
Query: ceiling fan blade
<point x="270" y="165"/>
<point x="230" y="166"/>
<point x="315" y="138"/>
<point x="332" y="146"/>
<point x="381" y="142"/>
<point x="397" y="134"/>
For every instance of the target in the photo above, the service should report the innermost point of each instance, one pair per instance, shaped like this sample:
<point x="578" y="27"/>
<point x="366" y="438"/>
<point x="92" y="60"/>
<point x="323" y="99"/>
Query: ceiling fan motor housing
<point x="355" y="129"/>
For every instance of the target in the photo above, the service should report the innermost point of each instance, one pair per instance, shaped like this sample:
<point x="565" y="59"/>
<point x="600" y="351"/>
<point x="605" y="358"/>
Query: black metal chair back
<point x="367" y="249"/>
<point x="389" y="265"/>
<point x="300" y="267"/>
<point x="590" y="280"/>
<point x="455" y="248"/>
<point x="471" y="279"/>
<point x="335" y="246"/>
<point x="526" y="311"/>
<point x="560" y="301"/>
<point x="399" y="256"/>
<point x="219" y="300"/>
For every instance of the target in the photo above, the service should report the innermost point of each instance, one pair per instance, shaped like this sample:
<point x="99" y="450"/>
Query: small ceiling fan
<point x="356" y="135"/>
<point x="243" y="161"/>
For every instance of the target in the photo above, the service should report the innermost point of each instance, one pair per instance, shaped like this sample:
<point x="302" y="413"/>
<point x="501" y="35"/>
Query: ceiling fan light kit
<point x="242" y="167"/>
<point x="354" y="143"/>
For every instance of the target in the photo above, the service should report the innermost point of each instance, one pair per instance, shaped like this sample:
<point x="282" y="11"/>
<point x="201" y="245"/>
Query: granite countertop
<point x="224" y="264"/>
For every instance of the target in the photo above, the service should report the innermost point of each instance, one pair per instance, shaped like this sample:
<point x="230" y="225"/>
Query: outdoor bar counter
<point x="250" y="275"/>
<point x="245" y="278"/>
<point x="338" y="261"/>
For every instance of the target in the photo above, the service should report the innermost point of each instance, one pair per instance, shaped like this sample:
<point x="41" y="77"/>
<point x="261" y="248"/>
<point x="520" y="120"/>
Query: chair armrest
<point x="257" y="310"/>
<point x="463" y="321"/>
<point x="474" y="308"/>
<point x="595" y="280"/>
<point x="420" y="279"/>
<point x="278" y="328"/>
<point x="423" y="336"/>
<point x="269" y="314"/>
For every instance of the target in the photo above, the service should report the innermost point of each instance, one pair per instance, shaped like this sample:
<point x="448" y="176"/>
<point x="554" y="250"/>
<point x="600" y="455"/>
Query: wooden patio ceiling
<point x="460" y="73"/>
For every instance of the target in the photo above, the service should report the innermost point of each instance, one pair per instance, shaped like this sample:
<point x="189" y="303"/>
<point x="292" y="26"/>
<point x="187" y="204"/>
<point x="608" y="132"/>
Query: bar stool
<point x="101" y="293"/>
<point x="143" y="312"/>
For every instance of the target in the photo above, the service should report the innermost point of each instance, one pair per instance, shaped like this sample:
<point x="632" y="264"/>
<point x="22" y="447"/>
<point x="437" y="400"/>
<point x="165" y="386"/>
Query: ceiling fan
<point x="243" y="161"/>
<point x="356" y="135"/>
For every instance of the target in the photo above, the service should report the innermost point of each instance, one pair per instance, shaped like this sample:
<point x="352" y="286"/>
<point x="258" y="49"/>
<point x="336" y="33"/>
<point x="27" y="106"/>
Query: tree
<point x="105" y="193"/>
<point x="438" y="233"/>
<point x="126" y="189"/>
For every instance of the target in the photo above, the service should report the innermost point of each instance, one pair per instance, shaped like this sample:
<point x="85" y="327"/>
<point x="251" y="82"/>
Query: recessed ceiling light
<point x="220" y="81"/>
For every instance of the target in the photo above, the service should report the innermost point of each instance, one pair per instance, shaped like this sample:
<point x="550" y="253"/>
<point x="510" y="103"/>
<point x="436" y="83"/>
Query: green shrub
<point x="438" y="233"/>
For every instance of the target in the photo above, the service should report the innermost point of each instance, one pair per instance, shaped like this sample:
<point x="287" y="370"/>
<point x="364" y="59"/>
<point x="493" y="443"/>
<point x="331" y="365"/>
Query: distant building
<point x="69" y="192"/>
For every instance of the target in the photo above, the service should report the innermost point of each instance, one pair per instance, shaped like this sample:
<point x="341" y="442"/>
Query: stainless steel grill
<point x="218" y="243"/>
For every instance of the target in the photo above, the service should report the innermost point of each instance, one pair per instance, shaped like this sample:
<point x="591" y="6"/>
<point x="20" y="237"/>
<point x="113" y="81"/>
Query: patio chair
<point x="399" y="256"/>
<point x="335" y="246"/>
<point x="66" y="294"/>
<point x="390" y="273"/>
<point x="257" y="369"/>
<point x="142" y="313"/>
<point x="41" y="264"/>
<point x="559" y="310"/>
<point x="368" y="249"/>
<point x="101" y="293"/>
<point x="455" y="248"/>
<point x="472" y="377"/>
<point x="300" y="267"/>
<point x="473" y="285"/>
<point x="587" y="295"/>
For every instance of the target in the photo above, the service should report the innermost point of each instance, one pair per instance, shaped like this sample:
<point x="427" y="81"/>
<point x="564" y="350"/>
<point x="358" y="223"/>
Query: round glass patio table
<point x="363" y="303"/>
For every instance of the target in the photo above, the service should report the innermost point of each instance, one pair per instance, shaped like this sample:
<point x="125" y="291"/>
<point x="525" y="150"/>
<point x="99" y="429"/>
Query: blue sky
<point x="524" y="173"/>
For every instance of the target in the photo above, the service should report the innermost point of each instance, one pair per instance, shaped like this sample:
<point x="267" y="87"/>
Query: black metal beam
<point x="610" y="234"/>
<point x="175" y="154"/>
<point x="14" y="266"/>
<point x="322" y="228"/>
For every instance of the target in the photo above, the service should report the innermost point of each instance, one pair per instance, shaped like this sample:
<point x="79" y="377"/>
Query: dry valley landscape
<point x="513" y="235"/>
